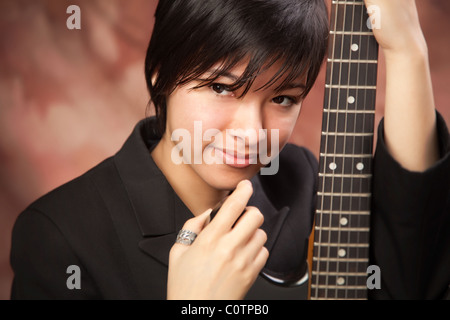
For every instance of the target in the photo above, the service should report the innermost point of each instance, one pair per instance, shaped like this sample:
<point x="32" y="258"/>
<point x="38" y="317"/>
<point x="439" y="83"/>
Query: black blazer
<point x="118" y="221"/>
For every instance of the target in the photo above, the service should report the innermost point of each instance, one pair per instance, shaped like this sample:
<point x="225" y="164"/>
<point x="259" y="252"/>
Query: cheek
<point x="193" y="111"/>
<point x="284" y="125"/>
<point x="183" y="109"/>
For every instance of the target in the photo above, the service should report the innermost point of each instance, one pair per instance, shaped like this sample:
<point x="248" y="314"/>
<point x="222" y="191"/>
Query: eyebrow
<point x="225" y="74"/>
<point x="292" y="86"/>
<point x="235" y="78"/>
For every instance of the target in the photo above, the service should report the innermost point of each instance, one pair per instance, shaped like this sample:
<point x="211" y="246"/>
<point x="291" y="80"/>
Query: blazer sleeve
<point x="410" y="225"/>
<point x="40" y="257"/>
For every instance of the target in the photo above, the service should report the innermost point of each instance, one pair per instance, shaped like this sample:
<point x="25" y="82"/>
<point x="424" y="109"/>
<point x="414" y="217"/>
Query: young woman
<point x="138" y="225"/>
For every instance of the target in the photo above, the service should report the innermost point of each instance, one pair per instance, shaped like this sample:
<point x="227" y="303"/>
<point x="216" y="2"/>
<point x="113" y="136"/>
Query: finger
<point x="233" y="207"/>
<point x="261" y="259"/>
<point x="255" y="244"/>
<point x="196" y="224"/>
<point x="247" y="225"/>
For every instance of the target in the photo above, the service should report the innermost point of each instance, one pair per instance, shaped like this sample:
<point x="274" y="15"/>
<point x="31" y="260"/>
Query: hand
<point x="224" y="261"/>
<point x="400" y="30"/>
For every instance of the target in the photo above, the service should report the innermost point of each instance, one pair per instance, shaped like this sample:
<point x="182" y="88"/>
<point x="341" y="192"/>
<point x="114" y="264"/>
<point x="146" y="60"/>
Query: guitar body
<point x="342" y="219"/>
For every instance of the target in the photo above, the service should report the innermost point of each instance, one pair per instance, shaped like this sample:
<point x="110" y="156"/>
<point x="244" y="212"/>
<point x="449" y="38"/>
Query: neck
<point x="195" y="193"/>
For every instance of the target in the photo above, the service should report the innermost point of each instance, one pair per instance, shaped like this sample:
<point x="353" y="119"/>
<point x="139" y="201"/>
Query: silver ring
<point x="186" y="237"/>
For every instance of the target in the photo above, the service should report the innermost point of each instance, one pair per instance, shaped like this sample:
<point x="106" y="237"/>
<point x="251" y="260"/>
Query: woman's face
<point x="224" y="138"/>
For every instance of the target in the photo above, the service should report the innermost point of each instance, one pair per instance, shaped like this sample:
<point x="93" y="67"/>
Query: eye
<point x="221" y="89"/>
<point x="285" y="101"/>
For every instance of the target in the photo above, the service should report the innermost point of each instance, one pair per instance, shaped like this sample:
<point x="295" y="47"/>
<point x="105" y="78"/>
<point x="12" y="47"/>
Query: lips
<point x="235" y="159"/>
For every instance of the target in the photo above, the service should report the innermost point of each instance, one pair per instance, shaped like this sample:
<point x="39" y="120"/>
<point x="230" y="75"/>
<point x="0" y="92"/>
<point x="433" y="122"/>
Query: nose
<point x="248" y="123"/>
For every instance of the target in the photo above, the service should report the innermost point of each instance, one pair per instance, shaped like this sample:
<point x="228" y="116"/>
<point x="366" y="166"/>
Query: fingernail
<point x="246" y="182"/>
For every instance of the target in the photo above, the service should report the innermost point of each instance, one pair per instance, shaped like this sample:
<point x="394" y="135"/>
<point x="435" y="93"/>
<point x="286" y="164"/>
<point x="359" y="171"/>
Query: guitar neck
<point x="342" y="219"/>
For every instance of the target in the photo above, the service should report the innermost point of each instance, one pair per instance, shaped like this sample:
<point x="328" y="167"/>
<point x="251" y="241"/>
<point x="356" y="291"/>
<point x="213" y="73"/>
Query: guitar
<point x="342" y="218"/>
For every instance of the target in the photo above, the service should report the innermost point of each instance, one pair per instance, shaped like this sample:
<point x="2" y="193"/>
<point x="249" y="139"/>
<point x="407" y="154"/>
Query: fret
<point x="352" y="75"/>
<point x="348" y="252"/>
<point x="339" y="287"/>
<point x="335" y="298"/>
<point x="356" y="175"/>
<point x="342" y="86"/>
<point x="342" y="221"/>
<point x="342" y="155"/>
<point x="351" y="61"/>
<point x="331" y="244"/>
<point x="349" y="111"/>
<point x="341" y="278"/>
<point x="346" y="134"/>
<point x="335" y="194"/>
<point x="354" y="47"/>
<point x="342" y="23"/>
<point x="343" y="236"/>
<point x="347" y="144"/>
<point x="358" y="33"/>
<point x="341" y="259"/>
<point x="325" y="262"/>
<point x="339" y="186"/>
<point x="341" y="123"/>
<point x="345" y="165"/>
<point x="343" y="229"/>
<point x="358" y="100"/>
<point x="327" y="265"/>
<point x="357" y="3"/>
<point x="344" y="203"/>
<point x="350" y="274"/>
<point x="336" y="294"/>
<point x="344" y="212"/>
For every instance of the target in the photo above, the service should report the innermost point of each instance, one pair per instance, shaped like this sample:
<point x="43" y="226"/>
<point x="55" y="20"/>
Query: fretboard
<point x="342" y="220"/>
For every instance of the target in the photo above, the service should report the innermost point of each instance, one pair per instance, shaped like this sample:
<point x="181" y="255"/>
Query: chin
<point x="227" y="178"/>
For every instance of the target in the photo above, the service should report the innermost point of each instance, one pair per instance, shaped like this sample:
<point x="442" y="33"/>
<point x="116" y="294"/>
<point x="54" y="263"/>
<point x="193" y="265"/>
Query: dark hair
<point x="191" y="36"/>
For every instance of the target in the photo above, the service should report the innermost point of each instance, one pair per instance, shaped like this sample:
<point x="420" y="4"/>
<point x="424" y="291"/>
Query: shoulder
<point x="75" y="196"/>
<point x="293" y="155"/>
<point x="70" y="210"/>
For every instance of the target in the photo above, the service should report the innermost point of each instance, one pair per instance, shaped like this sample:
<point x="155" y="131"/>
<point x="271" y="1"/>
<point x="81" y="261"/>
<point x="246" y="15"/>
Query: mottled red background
<point x="69" y="98"/>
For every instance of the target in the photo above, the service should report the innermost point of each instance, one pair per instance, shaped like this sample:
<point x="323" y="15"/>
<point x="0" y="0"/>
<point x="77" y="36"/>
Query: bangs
<point x="194" y="38"/>
<point x="291" y="69"/>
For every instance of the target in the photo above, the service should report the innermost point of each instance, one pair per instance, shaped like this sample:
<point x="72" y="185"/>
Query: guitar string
<point x="370" y="41"/>
<point x="346" y="115"/>
<point x="352" y="172"/>
<point x="325" y="160"/>
<point x="336" y="115"/>
<point x="361" y="39"/>
<point x="319" y="236"/>
<point x="353" y="147"/>
<point x="339" y="211"/>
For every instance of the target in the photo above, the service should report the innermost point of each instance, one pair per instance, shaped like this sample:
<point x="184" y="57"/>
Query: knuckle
<point x="265" y="252"/>
<point x="262" y="234"/>
<point x="240" y="265"/>
<point x="173" y="253"/>
<point x="256" y="214"/>
<point x="226" y="252"/>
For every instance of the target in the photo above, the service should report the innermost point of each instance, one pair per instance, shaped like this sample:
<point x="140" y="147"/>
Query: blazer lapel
<point x="273" y="218"/>
<point x="159" y="212"/>
<point x="151" y="197"/>
<point x="158" y="246"/>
